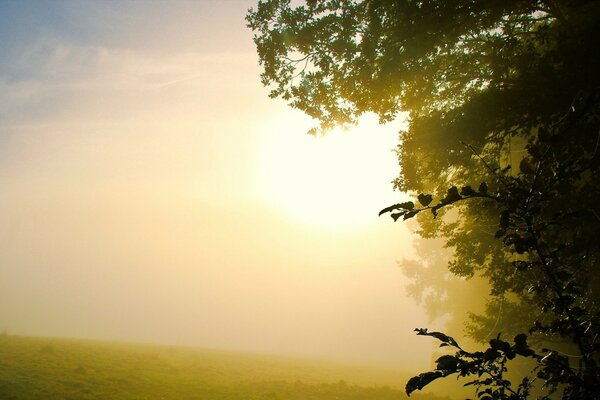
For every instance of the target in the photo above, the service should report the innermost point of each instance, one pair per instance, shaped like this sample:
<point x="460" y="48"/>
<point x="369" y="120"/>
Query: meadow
<point x="50" y="368"/>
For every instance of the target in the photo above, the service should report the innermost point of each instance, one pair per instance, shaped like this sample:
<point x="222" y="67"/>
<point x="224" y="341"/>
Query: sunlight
<point x="336" y="181"/>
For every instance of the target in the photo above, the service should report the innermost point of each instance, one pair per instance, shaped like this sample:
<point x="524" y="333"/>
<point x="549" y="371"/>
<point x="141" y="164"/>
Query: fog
<point x="152" y="192"/>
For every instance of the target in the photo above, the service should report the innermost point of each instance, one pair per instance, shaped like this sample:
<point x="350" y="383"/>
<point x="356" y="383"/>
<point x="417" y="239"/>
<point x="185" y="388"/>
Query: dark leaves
<point x="486" y="366"/>
<point x="408" y="210"/>
<point x="442" y="337"/>
<point x="408" y="205"/>
<point x="425" y="199"/>
<point x="420" y="381"/>
<point x="504" y="219"/>
<point x="448" y="363"/>
<point x="483" y="188"/>
<point x="467" y="191"/>
<point x="452" y="196"/>
<point x="500" y="345"/>
<point x="521" y="347"/>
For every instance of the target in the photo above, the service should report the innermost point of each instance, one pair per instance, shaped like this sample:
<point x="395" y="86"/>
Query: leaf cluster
<point x="488" y="367"/>
<point x="336" y="59"/>
<point x="546" y="220"/>
<point x="407" y="209"/>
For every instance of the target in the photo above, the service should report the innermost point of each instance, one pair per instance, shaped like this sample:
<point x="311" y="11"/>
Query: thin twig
<point x="485" y="163"/>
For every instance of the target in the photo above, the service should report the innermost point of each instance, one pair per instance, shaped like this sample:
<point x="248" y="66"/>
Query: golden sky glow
<point x="152" y="192"/>
<point x="335" y="181"/>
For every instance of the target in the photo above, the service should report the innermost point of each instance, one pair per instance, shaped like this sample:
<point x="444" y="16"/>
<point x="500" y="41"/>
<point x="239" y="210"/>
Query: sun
<point x="338" y="180"/>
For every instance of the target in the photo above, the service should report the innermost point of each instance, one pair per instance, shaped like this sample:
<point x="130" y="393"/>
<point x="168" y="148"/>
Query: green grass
<point x="44" y="368"/>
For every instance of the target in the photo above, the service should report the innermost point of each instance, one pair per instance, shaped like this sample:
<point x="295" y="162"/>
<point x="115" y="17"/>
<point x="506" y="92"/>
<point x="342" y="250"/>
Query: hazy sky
<point x="152" y="192"/>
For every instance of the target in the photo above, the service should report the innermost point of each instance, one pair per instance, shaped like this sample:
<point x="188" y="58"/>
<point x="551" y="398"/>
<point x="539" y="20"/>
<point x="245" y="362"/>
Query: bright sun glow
<point x="339" y="180"/>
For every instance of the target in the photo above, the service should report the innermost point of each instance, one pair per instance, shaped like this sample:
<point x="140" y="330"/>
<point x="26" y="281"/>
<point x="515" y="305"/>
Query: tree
<point x="504" y="132"/>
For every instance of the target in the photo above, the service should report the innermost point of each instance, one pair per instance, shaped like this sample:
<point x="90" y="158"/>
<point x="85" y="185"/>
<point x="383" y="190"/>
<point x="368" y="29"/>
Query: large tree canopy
<point x="468" y="71"/>
<point x="504" y="131"/>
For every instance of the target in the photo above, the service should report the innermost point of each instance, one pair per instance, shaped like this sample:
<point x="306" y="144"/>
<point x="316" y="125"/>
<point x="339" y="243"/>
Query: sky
<point x="152" y="192"/>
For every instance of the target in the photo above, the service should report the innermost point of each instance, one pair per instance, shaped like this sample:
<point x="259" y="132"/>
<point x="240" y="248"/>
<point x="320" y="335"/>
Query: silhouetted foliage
<point x="504" y="129"/>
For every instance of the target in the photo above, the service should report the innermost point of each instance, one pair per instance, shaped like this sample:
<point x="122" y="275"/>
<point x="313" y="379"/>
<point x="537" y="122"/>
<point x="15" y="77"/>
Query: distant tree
<point x="504" y="131"/>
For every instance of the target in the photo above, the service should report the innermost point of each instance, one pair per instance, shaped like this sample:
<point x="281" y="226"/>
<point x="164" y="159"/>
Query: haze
<point x="152" y="192"/>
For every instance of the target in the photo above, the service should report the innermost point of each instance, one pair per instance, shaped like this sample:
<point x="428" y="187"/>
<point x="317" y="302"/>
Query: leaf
<point x="483" y="188"/>
<point x="420" y="381"/>
<point x="526" y="167"/>
<point x="395" y="216"/>
<point x="451" y="196"/>
<point x="522" y="245"/>
<point x="490" y="354"/>
<point x="387" y="209"/>
<point x="521" y="265"/>
<point x="410" y="214"/>
<point x="521" y="347"/>
<point x="467" y="191"/>
<point x="425" y="199"/>
<point x="447" y="363"/>
<point x="408" y="205"/>
<point x="521" y="340"/>
<point x="501" y="345"/>
<point x="504" y="219"/>
<point x="442" y="337"/>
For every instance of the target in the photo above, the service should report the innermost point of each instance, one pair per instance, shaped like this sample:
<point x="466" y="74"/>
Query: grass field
<point x="44" y="368"/>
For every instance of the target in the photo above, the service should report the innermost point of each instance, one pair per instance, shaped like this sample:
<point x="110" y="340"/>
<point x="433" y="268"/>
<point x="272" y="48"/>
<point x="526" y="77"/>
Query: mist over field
<point x="151" y="192"/>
